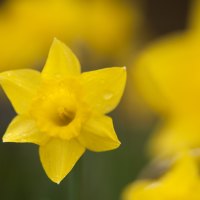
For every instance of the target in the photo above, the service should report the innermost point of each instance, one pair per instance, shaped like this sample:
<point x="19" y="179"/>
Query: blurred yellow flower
<point x="181" y="182"/>
<point x="101" y="27"/>
<point x="62" y="110"/>
<point x="167" y="75"/>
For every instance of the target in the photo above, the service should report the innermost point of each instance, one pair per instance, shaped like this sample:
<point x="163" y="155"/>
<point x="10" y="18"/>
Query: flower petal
<point x="58" y="157"/>
<point x="20" y="86"/>
<point x="98" y="134"/>
<point x="177" y="134"/>
<point x="61" y="60"/>
<point x="104" y="87"/>
<point x="163" y="85"/>
<point x="23" y="129"/>
<point x="164" y="187"/>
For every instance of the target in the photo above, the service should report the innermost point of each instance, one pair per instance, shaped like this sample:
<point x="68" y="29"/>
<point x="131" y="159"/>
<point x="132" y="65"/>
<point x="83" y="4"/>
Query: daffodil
<point x="167" y="76"/>
<point x="63" y="110"/>
<point x="93" y="26"/>
<point x="180" y="182"/>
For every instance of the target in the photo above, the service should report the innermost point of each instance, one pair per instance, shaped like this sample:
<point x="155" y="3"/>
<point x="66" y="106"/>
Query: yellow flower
<point x="181" y="182"/>
<point x="167" y="75"/>
<point x="95" y="26"/>
<point x="62" y="110"/>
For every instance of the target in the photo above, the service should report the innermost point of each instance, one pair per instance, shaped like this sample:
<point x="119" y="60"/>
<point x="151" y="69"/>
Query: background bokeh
<point x="103" y="175"/>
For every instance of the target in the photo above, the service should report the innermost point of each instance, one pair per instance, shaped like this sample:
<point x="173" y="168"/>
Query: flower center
<point x="58" y="109"/>
<point x="63" y="117"/>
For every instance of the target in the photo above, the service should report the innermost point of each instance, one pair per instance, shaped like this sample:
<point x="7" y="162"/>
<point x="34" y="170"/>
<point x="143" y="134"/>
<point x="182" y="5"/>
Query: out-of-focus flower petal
<point x="170" y="185"/>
